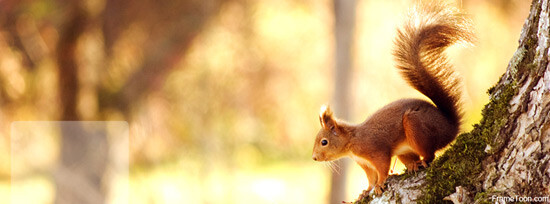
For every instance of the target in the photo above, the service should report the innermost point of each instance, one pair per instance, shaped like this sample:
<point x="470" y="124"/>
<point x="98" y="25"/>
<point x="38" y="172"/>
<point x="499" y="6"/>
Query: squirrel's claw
<point x="416" y="166"/>
<point x="378" y="190"/>
<point x="363" y="195"/>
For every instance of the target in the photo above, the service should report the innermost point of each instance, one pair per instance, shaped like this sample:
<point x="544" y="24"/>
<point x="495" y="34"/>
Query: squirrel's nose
<point x="314" y="158"/>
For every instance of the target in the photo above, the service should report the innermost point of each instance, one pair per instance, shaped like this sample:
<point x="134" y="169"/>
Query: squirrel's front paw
<point x="364" y="194"/>
<point x="378" y="190"/>
<point x="412" y="167"/>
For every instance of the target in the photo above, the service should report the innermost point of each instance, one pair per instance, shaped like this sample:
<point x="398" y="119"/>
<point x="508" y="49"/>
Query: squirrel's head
<point x="332" y="140"/>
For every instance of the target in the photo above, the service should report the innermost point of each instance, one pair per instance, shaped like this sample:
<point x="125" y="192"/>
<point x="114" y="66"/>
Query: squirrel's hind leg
<point x="419" y="136"/>
<point x="411" y="161"/>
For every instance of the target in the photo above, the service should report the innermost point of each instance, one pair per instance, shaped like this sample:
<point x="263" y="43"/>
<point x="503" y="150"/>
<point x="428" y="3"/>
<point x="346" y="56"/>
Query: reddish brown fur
<point x="411" y="129"/>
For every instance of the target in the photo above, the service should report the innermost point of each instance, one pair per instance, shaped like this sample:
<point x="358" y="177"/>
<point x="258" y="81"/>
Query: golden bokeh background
<point x="233" y="118"/>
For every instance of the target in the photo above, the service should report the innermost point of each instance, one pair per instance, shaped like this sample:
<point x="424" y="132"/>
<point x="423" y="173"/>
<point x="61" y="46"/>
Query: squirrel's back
<point x="430" y="29"/>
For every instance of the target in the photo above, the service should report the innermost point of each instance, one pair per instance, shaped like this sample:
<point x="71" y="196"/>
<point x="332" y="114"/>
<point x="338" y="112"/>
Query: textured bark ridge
<point x="519" y="163"/>
<point x="506" y="155"/>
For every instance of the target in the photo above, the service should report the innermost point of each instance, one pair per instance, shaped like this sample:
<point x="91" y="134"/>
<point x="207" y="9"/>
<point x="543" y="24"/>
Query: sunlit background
<point x="221" y="97"/>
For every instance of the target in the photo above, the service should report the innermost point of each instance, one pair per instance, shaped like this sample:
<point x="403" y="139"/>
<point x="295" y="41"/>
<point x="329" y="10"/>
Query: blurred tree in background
<point x="116" y="60"/>
<point x="221" y="96"/>
<point x="169" y="28"/>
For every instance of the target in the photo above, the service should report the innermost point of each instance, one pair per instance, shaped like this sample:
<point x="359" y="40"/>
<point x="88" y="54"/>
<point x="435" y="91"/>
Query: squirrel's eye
<point x="324" y="142"/>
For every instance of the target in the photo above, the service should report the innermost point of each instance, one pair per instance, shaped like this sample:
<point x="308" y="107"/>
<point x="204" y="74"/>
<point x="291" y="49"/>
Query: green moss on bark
<point x="461" y="163"/>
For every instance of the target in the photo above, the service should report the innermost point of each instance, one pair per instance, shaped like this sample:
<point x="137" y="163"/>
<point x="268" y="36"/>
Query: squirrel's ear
<point x="325" y="117"/>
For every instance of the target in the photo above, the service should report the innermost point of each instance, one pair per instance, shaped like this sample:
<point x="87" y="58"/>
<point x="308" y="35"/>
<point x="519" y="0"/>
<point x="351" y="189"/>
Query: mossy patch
<point x="365" y="200"/>
<point x="461" y="164"/>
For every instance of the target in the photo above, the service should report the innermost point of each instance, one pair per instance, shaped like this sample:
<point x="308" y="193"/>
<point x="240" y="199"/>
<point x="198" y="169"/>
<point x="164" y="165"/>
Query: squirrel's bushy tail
<point x="430" y="29"/>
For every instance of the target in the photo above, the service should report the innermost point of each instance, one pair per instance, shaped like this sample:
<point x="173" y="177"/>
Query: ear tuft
<point x="325" y="115"/>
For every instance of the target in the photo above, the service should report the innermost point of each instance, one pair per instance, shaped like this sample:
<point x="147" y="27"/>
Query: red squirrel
<point x="411" y="129"/>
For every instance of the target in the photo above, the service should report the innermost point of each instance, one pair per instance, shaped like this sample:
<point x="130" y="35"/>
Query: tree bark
<point x="519" y="163"/>
<point x="506" y="157"/>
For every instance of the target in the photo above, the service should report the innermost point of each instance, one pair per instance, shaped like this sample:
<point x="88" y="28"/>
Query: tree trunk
<point x="344" y="24"/>
<point x="83" y="157"/>
<point x="506" y="157"/>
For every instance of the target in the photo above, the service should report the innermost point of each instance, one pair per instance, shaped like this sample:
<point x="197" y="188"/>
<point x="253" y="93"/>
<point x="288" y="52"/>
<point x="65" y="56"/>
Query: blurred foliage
<point x="222" y="95"/>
